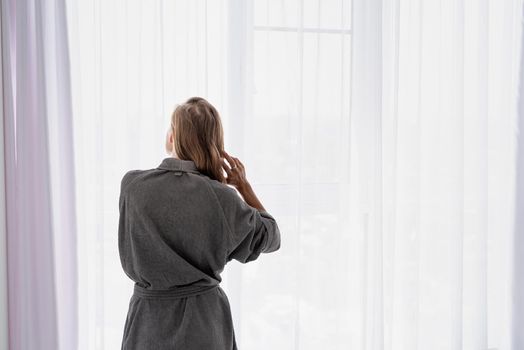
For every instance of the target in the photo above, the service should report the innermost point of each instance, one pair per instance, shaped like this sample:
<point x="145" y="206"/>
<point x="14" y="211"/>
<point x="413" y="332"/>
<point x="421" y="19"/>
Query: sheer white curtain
<point x="4" y="330"/>
<point x="434" y="121"/>
<point x="380" y="134"/>
<point x="518" y="258"/>
<point x="37" y="174"/>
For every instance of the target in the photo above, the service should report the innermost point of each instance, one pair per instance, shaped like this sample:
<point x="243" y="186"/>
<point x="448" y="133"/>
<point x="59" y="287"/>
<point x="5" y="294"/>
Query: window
<point x="279" y="73"/>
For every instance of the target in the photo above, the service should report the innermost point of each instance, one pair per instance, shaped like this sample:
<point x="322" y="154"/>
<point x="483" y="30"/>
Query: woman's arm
<point x="249" y="196"/>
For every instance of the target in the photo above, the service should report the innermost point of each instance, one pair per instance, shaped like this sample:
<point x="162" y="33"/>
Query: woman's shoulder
<point x="128" y="177"/>
<point x="133" y="174"/>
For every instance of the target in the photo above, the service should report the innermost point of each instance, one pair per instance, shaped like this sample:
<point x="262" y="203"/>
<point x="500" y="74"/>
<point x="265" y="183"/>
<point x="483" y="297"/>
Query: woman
<point x="180" y="223"/>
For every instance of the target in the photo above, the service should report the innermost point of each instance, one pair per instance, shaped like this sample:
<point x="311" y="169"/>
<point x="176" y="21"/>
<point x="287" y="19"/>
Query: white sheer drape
<point x="38" y="169"/>
<point x="518" y="251"/>
<point x="439" y="156"/>
<point x="380" y="134"/>
<point x="4" y="329"/>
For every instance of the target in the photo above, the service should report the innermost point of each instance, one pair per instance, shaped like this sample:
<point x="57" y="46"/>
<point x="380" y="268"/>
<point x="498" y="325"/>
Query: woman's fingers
<point x="227" y="156"/>
<point x="239" y="163"/>
<point x="233" y="177"/>
<point x="231" y="160"/>
<point x="226" y="167"/>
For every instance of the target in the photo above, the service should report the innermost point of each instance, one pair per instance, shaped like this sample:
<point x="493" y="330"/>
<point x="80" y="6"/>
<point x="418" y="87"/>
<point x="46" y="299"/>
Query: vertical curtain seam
<point x="300" y="56"/>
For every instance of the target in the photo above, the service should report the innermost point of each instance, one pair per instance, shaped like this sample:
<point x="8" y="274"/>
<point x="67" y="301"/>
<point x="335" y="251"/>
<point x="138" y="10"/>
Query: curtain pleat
<point x="517" y="341"/>
<point x="4" y="329"/>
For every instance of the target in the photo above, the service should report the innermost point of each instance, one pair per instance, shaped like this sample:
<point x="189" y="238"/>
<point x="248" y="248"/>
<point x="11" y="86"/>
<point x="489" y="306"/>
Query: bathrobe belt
<point x="172" y="293"/>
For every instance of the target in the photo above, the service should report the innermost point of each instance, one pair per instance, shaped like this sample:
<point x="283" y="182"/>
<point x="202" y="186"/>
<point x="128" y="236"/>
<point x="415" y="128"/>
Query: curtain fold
<point x="39" y="177"/>
<point x="518" y="243"/>
<point x="366" y="188"/>
<point x="4" y="330"/>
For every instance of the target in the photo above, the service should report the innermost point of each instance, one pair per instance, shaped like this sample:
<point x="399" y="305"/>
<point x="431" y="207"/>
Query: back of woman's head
<point x="198" y="136"/>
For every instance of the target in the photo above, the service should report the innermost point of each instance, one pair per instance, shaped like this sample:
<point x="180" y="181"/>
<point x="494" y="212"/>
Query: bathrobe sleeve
<point x="250" y="231"/>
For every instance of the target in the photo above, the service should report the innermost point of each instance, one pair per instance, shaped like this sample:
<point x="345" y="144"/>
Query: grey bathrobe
<point x="177" y="230"/>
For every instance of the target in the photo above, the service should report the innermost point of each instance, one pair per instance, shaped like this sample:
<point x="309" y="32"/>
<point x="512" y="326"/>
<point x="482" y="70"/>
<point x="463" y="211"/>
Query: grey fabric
<point x="177" y="230"/>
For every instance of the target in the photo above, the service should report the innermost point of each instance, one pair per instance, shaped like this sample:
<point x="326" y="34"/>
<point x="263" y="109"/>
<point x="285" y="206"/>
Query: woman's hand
<point x="236" y="176"/>
<point x="236" y="173"/>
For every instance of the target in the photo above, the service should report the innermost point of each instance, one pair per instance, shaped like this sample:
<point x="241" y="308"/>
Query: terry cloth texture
<point x="177" y="230"/>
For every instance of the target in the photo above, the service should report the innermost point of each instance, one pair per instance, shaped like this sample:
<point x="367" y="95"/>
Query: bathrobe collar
<point x="177" y="165"/>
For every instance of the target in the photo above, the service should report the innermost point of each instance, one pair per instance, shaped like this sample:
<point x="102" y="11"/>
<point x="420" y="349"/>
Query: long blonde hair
<point x="198" y="136"/>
